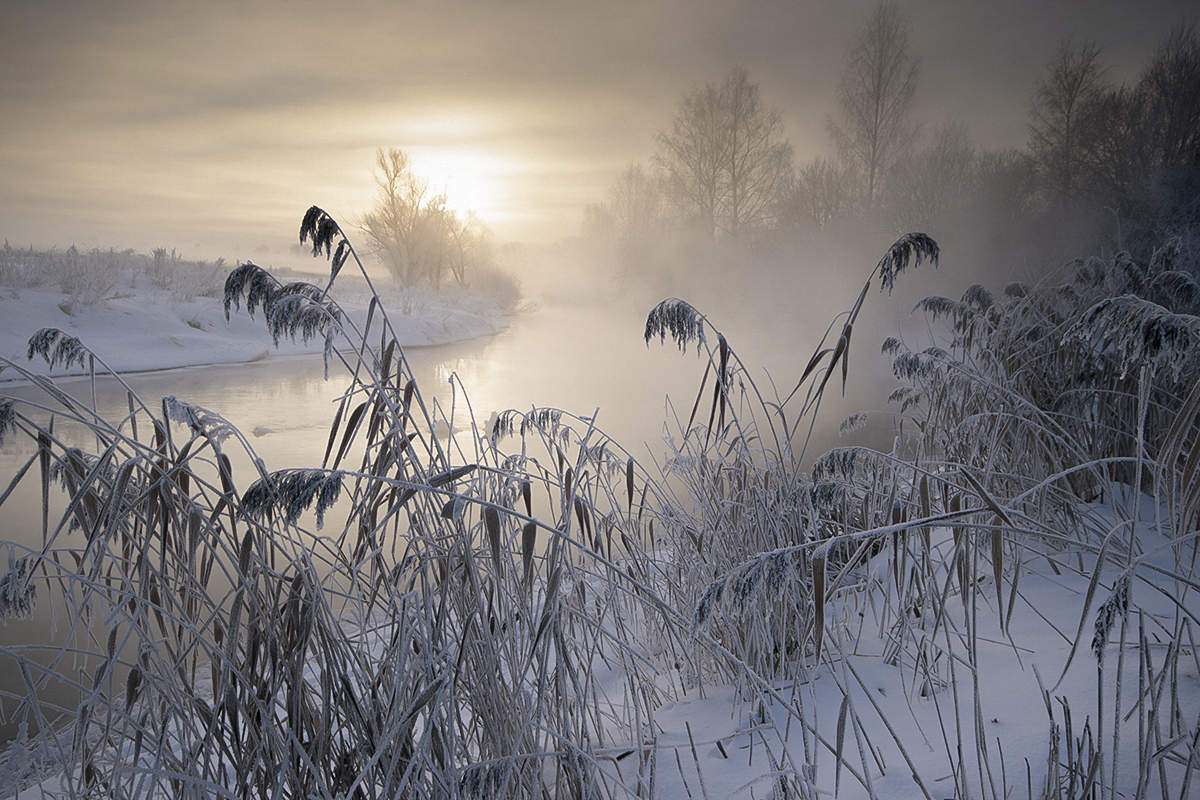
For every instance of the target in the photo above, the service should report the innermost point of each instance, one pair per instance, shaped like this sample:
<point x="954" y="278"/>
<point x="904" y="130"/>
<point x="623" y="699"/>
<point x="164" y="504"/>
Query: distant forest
<point x="1106" y="166"/>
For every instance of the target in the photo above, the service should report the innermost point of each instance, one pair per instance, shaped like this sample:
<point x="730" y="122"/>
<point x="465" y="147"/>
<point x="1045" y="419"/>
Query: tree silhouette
<point x="875" y="96"/>
<point x="725" y="158"/>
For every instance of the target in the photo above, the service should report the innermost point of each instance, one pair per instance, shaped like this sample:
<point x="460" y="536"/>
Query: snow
<point x="1012" y="711"/>
<point x="714" y="742"/>
<point x="147" y="328"/>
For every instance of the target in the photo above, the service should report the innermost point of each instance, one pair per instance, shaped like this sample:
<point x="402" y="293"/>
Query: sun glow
<point x="471" y="180"/>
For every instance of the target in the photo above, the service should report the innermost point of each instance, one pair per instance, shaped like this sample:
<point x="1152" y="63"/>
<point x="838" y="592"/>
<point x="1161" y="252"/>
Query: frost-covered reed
<point x="503" y="612"/>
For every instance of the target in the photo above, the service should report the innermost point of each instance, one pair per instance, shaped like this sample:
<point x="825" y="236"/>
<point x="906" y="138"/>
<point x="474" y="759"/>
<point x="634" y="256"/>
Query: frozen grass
<point x="528" y="611"/>
<point x="96" y="275"/>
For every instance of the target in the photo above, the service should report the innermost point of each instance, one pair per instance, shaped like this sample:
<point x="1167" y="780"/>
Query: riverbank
<point x="145" y="328"/>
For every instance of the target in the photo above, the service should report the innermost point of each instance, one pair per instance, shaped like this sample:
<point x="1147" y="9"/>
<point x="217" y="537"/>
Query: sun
<point x="471" y="180"/>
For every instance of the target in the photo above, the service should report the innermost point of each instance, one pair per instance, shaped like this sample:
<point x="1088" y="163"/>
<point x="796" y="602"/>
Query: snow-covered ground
<point x="146" y="328"/>
<point x="906" y="742"/>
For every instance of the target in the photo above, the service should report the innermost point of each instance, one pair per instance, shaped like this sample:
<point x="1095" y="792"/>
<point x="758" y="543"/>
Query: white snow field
<point x="145" y="328"/>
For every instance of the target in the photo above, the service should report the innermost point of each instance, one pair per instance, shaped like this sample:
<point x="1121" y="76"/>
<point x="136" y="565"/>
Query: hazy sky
<point x="211" y="126"/>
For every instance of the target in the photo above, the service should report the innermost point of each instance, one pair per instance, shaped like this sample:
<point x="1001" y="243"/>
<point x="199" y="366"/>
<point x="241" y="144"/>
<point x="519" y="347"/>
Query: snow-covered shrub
<point x="96" y="275"/>
<point x="496" y="283"/>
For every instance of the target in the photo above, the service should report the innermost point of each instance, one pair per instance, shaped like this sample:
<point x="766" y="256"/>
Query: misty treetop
<point x="1106" y="165"/>
<point x="415" y="234"/>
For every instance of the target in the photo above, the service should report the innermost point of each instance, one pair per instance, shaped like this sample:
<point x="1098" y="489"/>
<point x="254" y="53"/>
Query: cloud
<point x="221" y="110"/>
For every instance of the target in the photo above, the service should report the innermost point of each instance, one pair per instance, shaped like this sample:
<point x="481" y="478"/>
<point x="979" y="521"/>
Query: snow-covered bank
<point x="145" y="328"/>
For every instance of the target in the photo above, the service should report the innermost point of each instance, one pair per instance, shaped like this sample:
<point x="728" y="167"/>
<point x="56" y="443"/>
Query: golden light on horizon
<point x="471" y="180"/>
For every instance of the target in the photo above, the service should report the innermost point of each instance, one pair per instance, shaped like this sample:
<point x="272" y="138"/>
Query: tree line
<point x="1123" y="157"/>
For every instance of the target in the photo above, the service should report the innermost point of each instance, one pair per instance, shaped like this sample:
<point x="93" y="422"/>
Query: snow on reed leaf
<point x="938" y="306"/>
<point x="18" y="594"/>
<point x="321" y="228"/>
<point x="546" y="419"/>
<point x="293" y="309"/>
<point x="910" y="249"/>
<point x="258" y="285"/>
<point x="679" y="319"/>
<point x="57" y="348"/>
<point x="1016" y="289"/>
<point x="294" y="490"/>
<point x="201" y="421"/>
<point x="488" y="780"/>
<point x="1107" y="615"/>
<point x="1134" y="331"/>
<point x="1165" y="258"/>
<point x="1176" y="289"/>
<point x="8" y="418"/>
<point x="854" y="422"/>
<point x="978" y="297"/>
<point x="891" y="345"/>
<point x="768" y="574"/>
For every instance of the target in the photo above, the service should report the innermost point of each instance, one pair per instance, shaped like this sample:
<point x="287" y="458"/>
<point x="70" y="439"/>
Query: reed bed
<point x="507" y="612"/>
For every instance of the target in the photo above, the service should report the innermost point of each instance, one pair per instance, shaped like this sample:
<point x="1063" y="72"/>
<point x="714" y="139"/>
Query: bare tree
<point x="1065" y="103"/>
<point x="393" y="224"/>
<point x="412" y="231"/>
<point x="725" y="158"/>
<point x="692" y="155"/>
<point x="1120" y="157"/>
<point x="637" y="203"/>
<point x="1005" y="183"/>
<point x="469" y="244"/>
<point x="936" y="177"/>
<point x="1171" y="88"/>
<point x="875" y="95"/>
<point x="822" y="191"/>
<point x="758" y="158"/>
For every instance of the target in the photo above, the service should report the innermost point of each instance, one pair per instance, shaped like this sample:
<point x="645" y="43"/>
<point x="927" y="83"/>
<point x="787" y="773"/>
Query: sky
<point x="211" y="126"/>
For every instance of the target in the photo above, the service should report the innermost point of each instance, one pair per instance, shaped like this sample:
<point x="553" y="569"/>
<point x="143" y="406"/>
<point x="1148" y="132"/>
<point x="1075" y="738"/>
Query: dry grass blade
<point x="838" y="756"/>
<point x="997" y="537"/>
<point x="818" y="579"/>
<point x="491" y="519"/>
<point x="528" y="541"/>
<point x="1093" y="582"/>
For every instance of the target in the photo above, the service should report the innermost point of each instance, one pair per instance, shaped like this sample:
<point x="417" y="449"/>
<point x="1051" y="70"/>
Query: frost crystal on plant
<point x="57" y="348"/>
<point x="678" y="319"/>
<point x="1109" y="612"/>
<point x="293" y="490"/>
<point x="8" y="418"/>
<point x="201" y="421"/>
<point x="18" y="595"/>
